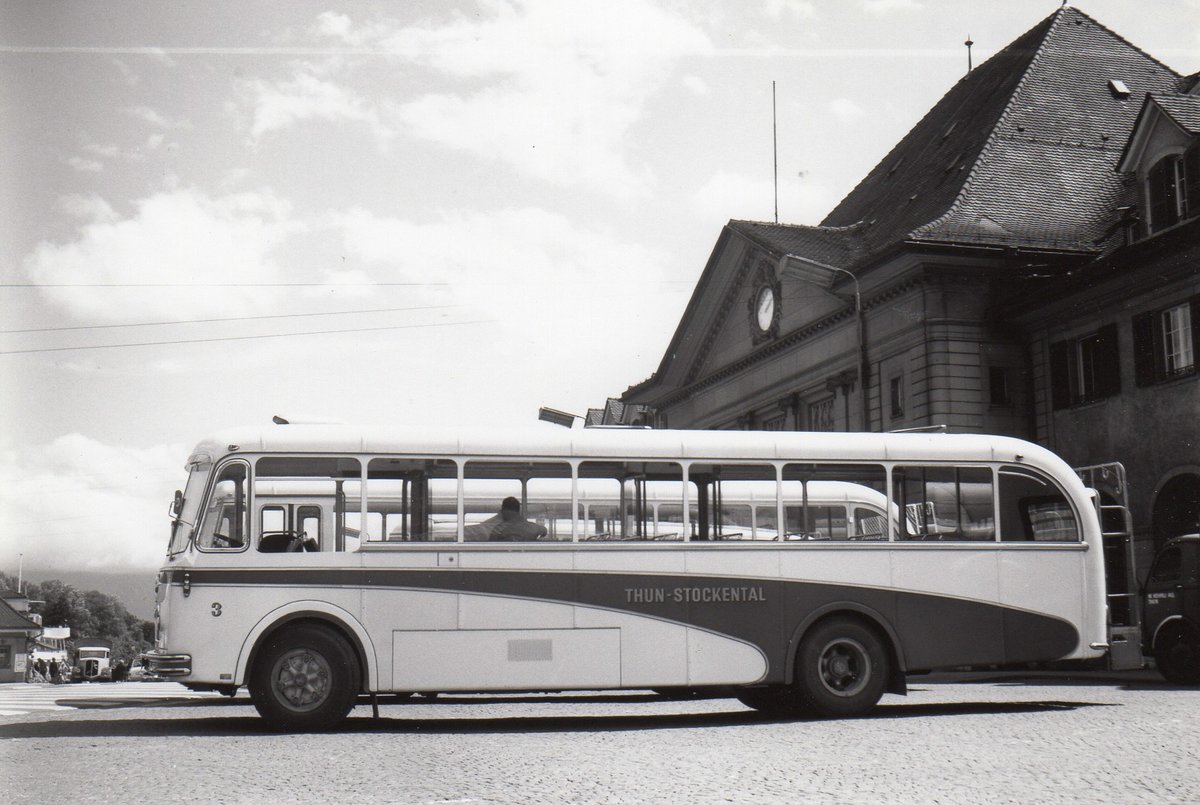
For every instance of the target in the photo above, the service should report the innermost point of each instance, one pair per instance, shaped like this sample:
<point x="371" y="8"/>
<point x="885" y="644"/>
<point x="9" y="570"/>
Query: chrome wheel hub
<point x="302" y="679"/>
<point x="845" y="667"/>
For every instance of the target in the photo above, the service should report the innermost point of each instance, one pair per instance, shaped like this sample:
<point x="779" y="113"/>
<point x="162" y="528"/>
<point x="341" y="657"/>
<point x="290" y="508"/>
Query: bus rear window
<point x="1034" y="509"/>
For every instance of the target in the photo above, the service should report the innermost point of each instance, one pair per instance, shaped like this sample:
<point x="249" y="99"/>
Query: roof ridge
<point x="897" y="156"/>
<point x="993" y="135"/>
<point x="1116" y="35"/>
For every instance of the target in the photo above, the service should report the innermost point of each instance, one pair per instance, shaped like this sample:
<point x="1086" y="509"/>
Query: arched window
<point x="1173" y="189"/>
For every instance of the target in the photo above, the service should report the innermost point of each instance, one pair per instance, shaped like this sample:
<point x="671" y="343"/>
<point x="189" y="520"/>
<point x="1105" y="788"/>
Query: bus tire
<point x="841" y="669"/>
<point x="1177" y="655"/>
<point x="306" y="679"/>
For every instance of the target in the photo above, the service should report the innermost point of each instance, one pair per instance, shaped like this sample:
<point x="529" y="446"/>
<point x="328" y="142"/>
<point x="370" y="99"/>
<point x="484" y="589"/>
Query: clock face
<point x="764" y="308"/>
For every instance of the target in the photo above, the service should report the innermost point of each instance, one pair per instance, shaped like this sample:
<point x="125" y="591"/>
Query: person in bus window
<point x="510" y="526"/>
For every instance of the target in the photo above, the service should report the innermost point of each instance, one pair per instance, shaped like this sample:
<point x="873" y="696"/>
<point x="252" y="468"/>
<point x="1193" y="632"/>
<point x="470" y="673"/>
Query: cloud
<point x="543" y="278"/>
<point x="176" y="237"/>
<point x="85" y="165"/>
<point x="696" y="85"/>
<point x="78" y="503"/>
<point x="800" y="9"/>
<point x="565" y="84"/>
<point x="552" y="90"/>
<point x="307" y="96"/>
<point x="154" y="118"/>
<point x="846" y="110"/>
<point x="880" y="7"/>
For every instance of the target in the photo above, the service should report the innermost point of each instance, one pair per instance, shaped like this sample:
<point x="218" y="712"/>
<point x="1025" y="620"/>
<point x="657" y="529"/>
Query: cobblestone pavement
<point x="1051" y="738"/>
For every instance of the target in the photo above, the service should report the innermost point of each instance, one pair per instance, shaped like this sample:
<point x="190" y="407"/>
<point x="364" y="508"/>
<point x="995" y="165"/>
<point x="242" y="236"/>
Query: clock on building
<point x="764" y="308"/>
<point x="764" y="303"/>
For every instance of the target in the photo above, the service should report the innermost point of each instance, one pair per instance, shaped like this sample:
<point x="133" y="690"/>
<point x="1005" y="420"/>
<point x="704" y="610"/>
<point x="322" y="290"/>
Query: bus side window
<point x="288" y="486"/>
<point x="725" y="495"/>
<point x="818" y="497"/>
<point x="1032" y="508"/>
<point x="945" y="503"/>
<point x="412" y="500"/>
<point x="624" y="501"/>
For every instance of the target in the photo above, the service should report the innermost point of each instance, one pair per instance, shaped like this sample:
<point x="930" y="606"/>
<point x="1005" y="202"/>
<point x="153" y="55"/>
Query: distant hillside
<point x="133" y="588"/>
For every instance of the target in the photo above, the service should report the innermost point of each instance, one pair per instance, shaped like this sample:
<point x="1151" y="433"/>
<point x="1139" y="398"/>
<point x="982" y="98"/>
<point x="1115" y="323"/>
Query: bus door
<point x="1120" y="563"/>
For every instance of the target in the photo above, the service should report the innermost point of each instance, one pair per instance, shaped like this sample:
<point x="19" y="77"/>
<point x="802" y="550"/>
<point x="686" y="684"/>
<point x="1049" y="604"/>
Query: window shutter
<point x="1060" y="374"/>
<point x="1160" y="189"/>
<point x="1145" y="366"/>
<point x="1108" y="379"/>
<point x="1196" y="332"/>
<point x="1191" y="177"/>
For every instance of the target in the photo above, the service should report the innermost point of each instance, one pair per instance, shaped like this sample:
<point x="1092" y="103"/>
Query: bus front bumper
<point x="167" y="664"/>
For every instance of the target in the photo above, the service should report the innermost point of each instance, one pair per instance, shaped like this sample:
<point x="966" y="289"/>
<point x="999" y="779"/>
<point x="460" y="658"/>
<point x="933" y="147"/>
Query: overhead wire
<point x="224" y="319"/>
<point x="243" y="337"/>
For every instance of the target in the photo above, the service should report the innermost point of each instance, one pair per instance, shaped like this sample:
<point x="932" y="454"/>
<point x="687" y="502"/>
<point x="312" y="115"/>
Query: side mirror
<point x="177" y="504"/>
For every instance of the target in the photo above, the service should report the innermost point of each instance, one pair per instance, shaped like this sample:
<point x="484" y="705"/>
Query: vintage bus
<point x="801" y="572"/>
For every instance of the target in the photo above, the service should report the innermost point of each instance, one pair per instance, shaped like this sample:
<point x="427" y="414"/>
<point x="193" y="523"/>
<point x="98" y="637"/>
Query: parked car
<point x="93" y="660"/>
<point x="138" y="673"/>
<point x="1171" y="607"/>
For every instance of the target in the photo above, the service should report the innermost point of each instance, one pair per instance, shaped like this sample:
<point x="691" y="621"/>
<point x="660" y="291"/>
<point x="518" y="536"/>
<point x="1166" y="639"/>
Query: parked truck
<point x="1171" y="611"/>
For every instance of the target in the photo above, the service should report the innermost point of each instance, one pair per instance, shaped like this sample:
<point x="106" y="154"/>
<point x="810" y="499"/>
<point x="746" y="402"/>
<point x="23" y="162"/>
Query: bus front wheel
<point x="1178" y="656"/>
<point x="841" y="669"/>
<point x="306" y="678"/>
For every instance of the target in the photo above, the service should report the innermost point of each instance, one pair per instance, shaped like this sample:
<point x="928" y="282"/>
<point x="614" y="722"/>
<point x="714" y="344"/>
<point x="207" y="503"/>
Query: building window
<point x="6" y="660"/>
<point x="1173" y="189"/>
<point x="999" y="390"/>
<point x="1165" y="343"/>
<point x="820" y="415"/>
<point x="1086" y="369"/>
<point x="774" y="423"/>
<point x="896" y="386"/>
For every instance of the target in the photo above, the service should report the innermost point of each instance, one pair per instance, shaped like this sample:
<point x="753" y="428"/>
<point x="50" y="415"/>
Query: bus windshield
<point x="193" y="496"/>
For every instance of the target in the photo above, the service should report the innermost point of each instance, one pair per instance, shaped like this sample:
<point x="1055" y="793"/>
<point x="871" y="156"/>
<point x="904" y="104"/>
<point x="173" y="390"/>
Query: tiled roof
<point x="1183" y="109"/>
<point x="1020" y="152"/>
<point x="11" y="620"/>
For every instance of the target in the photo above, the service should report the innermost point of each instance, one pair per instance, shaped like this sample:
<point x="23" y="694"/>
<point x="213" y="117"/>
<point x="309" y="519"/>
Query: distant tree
<point x="89" y="613"/>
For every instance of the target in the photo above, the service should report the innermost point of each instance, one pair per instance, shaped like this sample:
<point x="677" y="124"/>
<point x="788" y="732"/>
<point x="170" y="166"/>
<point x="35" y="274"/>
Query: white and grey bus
<point x="801" y="572"/>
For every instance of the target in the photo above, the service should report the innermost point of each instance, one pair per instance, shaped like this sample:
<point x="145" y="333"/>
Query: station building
<point x="17" y="632"/>
<point x="1025" y="261"/>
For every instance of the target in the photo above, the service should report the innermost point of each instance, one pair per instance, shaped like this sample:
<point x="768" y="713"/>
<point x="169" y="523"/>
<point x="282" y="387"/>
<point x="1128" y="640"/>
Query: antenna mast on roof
<point x="775" y="149"/>
<point x="968" y="43"/>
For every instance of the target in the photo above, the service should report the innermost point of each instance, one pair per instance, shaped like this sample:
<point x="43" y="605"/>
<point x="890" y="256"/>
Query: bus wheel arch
<point x="307" y="611"/>
<point x="306" y="675"/>
<point x="871" y="619"/>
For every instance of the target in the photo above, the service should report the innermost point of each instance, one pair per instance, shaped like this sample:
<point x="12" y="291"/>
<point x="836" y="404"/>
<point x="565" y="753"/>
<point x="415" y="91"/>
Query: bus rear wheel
<point x="306" y="678"/>
<point x="1178" y="656"/>
<point x="841" y="669"/>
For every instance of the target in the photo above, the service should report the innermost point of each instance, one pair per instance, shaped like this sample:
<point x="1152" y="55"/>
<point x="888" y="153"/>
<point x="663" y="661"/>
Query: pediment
<point x="734" y="329"/>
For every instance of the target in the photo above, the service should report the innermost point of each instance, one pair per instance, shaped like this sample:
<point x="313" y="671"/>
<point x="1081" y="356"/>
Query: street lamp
<point x="557" y="417"/>
<point x="822" y="275"/>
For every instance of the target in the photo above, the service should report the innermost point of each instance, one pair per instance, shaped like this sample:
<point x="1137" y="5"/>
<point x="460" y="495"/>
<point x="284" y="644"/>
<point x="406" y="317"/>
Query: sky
<point x="404" y="214"/>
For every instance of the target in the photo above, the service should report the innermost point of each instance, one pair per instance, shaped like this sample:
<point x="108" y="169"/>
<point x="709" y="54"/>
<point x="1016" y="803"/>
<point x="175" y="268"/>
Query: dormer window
<point x="1173" y="189"/>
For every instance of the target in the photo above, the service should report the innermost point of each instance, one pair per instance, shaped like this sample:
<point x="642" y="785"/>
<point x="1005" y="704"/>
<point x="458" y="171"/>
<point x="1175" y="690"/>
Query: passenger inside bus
<point x="507" y="526"/>
<point x="287" y="542"/>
